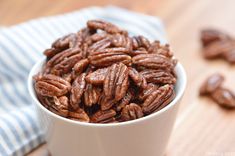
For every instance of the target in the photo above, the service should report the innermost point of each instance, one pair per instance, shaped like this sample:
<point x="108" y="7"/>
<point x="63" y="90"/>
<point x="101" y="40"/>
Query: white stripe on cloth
<point x="22" y="45"/>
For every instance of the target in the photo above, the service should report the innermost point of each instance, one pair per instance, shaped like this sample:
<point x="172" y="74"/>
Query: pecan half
<point x="106" y="103"/>
<point x="147" y="91"/>
<point x="77" y="90"/>
<point x="105" y="116"/>
<point x="158" y="99"/>
<point x="91" y="95"/>
<point x="140" y="41"/>
<point x="137" y="77"/>
<point x="164" y="50"/>
<point x="99" y="45"/>
<point x="79" y="67"/>
<point x="104" y="59"/>
<point x="116" y="82"/>
<point x="224" y="97"/>
<point x="125" y="100"/>
<point x="153" y="61"/>
<point x="106" y="26"/>
<point x="158" y="76"/>
<point x="211" y="84"/>
<point x="97" y="77"/>
<point x="51" y="85"/>
<point x="131" y="112"/>
<point x="60" y="106"/>
<point x="79" y="115"/>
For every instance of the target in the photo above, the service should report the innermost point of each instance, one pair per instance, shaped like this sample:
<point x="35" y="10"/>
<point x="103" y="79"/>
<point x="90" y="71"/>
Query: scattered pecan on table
<point x="102" y="75"/>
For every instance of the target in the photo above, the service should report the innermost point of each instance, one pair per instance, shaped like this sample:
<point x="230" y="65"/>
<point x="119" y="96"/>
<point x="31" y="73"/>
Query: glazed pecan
<point x="158" y="99"/>
<point x="104" y="59"/>
<point x="97" y="77"/>
<point x="105" y="116"/>
<point x="79" y="115"/>
<point x="131" y="112"/>
<point x="116" y="81"/>
<point x="105" y="102"/>
<point x="60" y="106"/>
<point x="125" y="100"/>
<point x="79" y="67"/>
<point x="138" y="78"/>
<point x="45" y="100"/>
<point x="210" y="35"/>
<point x="91" y="95"/>
<point x="106" y="26"/>
<point x="99" y="45"/>
<point x="164" y="50"/>
<point x="158" y="76"/>
<point x="140" y="41"/>
<point x="211" y="84"/>
<point x="51" y="85"/>
<point x="153" y="61"/>
<point x="147" y="91"/>
<point x="224" y="97"/>
<point x="77" y="90"/>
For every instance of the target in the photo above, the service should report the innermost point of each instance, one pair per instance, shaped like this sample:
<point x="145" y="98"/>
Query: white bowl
<point x="147" y="136"/>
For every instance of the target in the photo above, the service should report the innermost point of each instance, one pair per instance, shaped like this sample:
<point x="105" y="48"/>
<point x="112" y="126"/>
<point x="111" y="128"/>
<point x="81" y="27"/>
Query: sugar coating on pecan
<point x="101" y="74"/>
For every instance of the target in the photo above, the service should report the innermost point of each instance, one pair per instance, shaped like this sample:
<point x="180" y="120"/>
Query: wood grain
<point x="202" y="127"/>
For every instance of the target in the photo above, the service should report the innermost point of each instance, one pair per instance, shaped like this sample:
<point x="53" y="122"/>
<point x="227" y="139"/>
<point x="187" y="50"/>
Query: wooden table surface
<point x="202" y="128"/>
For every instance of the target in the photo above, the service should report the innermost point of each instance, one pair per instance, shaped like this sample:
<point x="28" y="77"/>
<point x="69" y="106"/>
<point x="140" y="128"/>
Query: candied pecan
<point x="138" y="51"/>
<point x="106" y="103"/>
<point x="125" y="100"/>
<point x="60" y="106"/>
<point x="106" y="26"/>
<point x="97" y="77"/>
<point x="104" y="59"/>
<point x="45" y="100"/>
<point x="51" y="85"/>
<point x="138" y="78"/>
<point x="147" y="91"/>
<point x="101" y="44"/>
<point x="164" y="50"/>
<point x="52" y="52"/>
<point x="210" y="35"/>
<point x="79" y="115"/>
<point x="98" y="36"/>
<point x="162" y="96"/>
<point x="224" y="97"/>
<point x="211" y="84"/>
<point x="131" y="112"/>
<point x="67" y="77"/>
<point x="77" y="90"/>
<point x="230" y="55"/>
<point x="116" y="81"/>
<point x="122" y="41"/>
<point x="79" y="67"/>
<point x="140" y="41"/>
<point x="91" y="95"/>
<point x="153" y="61"/>
<point x="158" y="76"/>
<point x="104" y="116"/>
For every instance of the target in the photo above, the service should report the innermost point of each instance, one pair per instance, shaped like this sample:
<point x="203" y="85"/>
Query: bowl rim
<point x="179" y="94"/>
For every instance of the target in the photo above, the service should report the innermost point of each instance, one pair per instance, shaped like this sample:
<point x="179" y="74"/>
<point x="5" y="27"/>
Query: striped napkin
<point x="20" y="48"/>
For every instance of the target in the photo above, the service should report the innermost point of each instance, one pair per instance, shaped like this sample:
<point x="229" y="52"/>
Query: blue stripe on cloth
<point x="22" y="45"/>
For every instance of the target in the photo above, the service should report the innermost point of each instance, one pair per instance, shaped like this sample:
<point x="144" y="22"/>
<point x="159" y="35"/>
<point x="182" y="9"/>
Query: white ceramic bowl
<point x="147" y="136"/>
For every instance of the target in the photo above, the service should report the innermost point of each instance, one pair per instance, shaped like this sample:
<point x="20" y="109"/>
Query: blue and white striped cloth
<point x="20" y="48"/>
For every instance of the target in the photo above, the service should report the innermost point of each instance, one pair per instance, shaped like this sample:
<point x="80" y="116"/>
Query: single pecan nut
<point x="99" y="45"/>
<point x="158" y="76"/>
<point x="119" y="40"/>
<point x="105" y="116"/>
<point x="159" y="98"/>
<point x="79" y="115"/>
<point x="91" y="95"/>
<point x="106" y="103"/>
<point x="77" y="90"/>
<point x="137" y="77"/>
<point x="101" y="59"/>
<point x="224" y="97"/>
<point x="45" y="100"/>
<point x="79" y="67"/>
<point x="131" y="112"/>
<point x="97" y="77"/>
<point x="153" y="61"/>
<point x="116" y="82"/>
<point x="147" y="91"/>
<point x="138" y="51"/>
<point x="51" y="85"/>
<point x="140" y="41"/>
<point x="164" y="50"/>
<point x="210" y="35"/>
<point x="60" y="106"/>
<point x="211" y="84"/>
<point x="125" y="100"/>
<point x="106" y="26"/>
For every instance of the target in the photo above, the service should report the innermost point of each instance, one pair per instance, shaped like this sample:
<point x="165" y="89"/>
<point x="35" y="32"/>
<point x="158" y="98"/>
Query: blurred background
<point x="202" y="128"/>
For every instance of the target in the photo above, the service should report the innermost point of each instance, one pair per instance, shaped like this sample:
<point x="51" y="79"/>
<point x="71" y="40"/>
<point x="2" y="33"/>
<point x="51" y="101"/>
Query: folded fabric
<point x="21" y="46"/>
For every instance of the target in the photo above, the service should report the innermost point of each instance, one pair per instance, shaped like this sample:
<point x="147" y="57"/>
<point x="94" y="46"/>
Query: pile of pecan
<point x="102" y="75"/>
<point x="217" y="44"/>
<point x="212" y="87"/>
